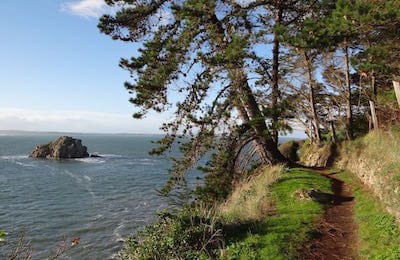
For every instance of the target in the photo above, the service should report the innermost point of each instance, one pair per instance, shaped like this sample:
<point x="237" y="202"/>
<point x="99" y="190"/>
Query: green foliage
<point x="378" y="232"/>
<point x="360" y="125"/>
<point x="304" y="148"/>
<point x="192" y="233"/>
<point x="388" y="98"/>
<point x="219" y="174"/>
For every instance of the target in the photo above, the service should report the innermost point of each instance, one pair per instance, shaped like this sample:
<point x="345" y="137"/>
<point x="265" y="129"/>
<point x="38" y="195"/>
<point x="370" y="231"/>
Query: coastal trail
<point x="336" y="236"/>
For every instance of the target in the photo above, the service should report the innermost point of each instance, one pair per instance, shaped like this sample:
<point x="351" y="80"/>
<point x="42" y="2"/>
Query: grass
<point x="250" y="200"/>
<point x="375" y="159"/>
<point x="281" y="235"/>
<point x="379" y="236"/>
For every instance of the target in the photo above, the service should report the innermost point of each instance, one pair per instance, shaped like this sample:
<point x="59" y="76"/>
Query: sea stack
<point x="63" y="147"/>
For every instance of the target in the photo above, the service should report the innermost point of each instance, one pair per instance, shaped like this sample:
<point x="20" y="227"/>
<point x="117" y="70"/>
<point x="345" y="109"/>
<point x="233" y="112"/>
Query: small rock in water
<point x="62" y="147"/>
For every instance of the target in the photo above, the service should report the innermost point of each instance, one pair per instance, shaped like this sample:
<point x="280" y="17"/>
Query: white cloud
<point x="86" y="8"/>
<point x="76" y="121"/>
<point x="96" y="8"/>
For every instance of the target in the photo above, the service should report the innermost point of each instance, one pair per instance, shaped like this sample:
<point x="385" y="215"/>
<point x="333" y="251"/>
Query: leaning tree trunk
<point x="311" y="96"/>
<point x="275" y="79"/>
<point x="257" y="144"/>
<point x="349" y="112"/>
<point x="266" y="143"/>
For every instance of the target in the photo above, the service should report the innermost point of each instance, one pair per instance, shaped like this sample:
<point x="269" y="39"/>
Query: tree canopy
<point x="236" y="73"/>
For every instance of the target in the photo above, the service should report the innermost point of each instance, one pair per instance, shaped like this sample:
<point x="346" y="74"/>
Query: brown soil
<point x="336" y="236"/>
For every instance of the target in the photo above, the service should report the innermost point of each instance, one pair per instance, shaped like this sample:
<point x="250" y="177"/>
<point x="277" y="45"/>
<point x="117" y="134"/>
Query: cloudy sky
<point x="59" y="73"/>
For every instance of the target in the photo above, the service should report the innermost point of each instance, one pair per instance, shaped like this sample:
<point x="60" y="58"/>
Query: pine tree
<point x="201" y="52"/>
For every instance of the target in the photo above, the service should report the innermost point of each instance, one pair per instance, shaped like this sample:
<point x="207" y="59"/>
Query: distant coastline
<point x="27" y="132"/>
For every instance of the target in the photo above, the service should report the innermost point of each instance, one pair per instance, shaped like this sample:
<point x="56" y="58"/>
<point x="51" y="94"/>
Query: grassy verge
<point x="269" y="216"/>
<point x="250" y="201"/>
<point x="375" y="160"/>
<point x="379" y="236"/>
<point x="280" y="235"/>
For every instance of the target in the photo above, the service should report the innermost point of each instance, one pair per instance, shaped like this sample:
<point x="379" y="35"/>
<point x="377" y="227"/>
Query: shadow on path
<point x="336" y="235"/>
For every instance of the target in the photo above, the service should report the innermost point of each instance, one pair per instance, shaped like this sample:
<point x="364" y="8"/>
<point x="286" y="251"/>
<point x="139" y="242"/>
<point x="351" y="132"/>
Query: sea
<point x="47" y="204"/>
<point x="96" y="201"/>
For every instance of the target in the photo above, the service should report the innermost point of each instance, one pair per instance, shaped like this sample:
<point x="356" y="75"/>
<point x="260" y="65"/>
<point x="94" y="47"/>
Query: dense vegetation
<point x="236" y="75"/>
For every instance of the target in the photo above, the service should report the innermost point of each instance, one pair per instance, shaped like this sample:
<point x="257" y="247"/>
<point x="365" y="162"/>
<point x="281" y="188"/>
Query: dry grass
<point x="250" y="200"/>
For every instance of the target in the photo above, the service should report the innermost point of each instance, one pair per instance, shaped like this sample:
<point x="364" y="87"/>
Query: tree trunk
<point x="334" y="138"/>
<point x="257" y="145"/>
<point x="374" y="90"/>
<point x="349" y="112"/>
<point x="266" y="144"/>
<point x="275" y="79"/>
<point x="311" y="96"/>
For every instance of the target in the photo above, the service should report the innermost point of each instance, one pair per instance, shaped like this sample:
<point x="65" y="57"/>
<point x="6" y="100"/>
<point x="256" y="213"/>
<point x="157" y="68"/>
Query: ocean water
<point x="99" y="200"/>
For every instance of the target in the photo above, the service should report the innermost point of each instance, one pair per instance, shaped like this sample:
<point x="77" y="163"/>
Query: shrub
<point x="192" y="233"/>
<point x="289" y="150"/>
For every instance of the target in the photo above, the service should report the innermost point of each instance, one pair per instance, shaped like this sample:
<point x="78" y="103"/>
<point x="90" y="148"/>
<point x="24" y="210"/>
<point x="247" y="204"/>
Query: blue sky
<point x="59" y="73"/>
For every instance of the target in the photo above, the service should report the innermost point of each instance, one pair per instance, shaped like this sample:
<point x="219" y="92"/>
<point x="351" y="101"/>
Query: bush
<point x="189" y="234"/>
<point x="289" y="149"/>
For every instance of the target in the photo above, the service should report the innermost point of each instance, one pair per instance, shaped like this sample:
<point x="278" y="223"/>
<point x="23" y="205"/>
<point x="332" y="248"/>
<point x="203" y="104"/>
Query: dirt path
<point x="337" y="233"/>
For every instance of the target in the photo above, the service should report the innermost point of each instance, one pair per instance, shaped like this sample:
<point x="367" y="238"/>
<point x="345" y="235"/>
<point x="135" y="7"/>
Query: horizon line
<point x="72" y="132"/>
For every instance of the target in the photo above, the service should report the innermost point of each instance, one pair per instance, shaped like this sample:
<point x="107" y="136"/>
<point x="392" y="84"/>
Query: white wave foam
<point x="143" y="161"/>
<point x="147" y="160"/>
<point x="90" y="160"/>
<point x="25" y="164"/>
<point x="91" y="193"/>
<point x="78" y="180"/>
<point x="141" y="205"/>
<point x="117" y="235"/>
<point x="14" y="157"/>
<point x="110" y="155"/>
<point x="87" y="178"/>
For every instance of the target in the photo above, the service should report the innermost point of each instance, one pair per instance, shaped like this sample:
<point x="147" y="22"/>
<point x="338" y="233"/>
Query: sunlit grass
<point x="281" y="235"/>
<point x="379" y="236"/>
<point x="250" y="200"/>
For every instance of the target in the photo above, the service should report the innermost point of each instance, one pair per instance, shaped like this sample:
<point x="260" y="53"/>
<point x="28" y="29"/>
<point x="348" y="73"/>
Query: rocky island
<point x="63" y="147"/>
